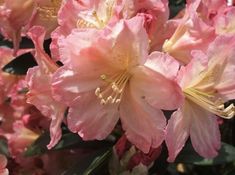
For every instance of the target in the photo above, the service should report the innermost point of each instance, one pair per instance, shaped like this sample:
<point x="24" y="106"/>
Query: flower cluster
<point x="120" y="61"/>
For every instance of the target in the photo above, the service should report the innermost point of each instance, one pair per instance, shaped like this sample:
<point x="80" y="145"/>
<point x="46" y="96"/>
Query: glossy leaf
<point x="20" y="65"/>
<point x="3" y="147"/>
<point x="91" y="164"/>
<point x="189" y="156"/>
<point x="68" y="141"/>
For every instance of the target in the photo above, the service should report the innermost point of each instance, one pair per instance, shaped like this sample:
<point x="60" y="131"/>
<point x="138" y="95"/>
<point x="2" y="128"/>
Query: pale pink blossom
<point x="116" y="78"/>
<point x="12" y="101"/>
<point x="45" y="15"/>
<point x="207" y="82"/>
<point x="92" y="14"/>
<point x="99" y="14"/>
<point x="192" y="33"/>
<point x="225" y="23"/>
<point x="20" y="139"/>
<point x="3" y="164"/>
<point x="17" y="17"/>
<point x="13" y="16"/>
<point x="39" y="84"/>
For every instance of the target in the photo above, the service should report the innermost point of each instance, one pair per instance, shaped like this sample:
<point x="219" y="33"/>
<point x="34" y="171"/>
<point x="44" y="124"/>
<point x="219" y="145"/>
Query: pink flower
<point x="3" y="164"/>
<point x="17" y="17"/>
<point x="98" y="14"/>
<point x="13" y="16"/>
<point x="224" y="23"/>
<point x="192" y="33"/>
<point x="40" y="93"/>
<point x="45" y="15"/>
<point x="92" y="14"/>
<point x="12" y="102"/>
<point x="207" y="82"/>
<point x="115" y="78"/>
<point x="20" y="139"/>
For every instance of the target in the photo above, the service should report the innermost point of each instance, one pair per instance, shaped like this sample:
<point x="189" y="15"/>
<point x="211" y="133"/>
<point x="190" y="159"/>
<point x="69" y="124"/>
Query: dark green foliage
<point x="20" y="65"/>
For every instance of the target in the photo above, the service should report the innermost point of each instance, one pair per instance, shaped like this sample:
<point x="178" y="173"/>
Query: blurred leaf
<point x="68" y="141"/>
<point x="232" y="172"/>
<point x="91" y="164"/>
<point x="20" y="65"/>
<point x="3" y="147"/>
<point x="24" y="44"/>
<point x="188" y="155"/>
<point x="176" y="6"/>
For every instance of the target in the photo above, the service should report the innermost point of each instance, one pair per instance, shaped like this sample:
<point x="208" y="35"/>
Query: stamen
<point x="210" y="103"/>
<point x="114" y="90"/>
<point x="81" y="23"/>
<point x="109" y="10"/>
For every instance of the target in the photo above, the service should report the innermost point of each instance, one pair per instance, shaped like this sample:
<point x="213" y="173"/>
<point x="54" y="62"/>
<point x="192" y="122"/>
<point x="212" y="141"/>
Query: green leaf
<point x="3" y="147"/>
<point x="68" y="141"/>
<point x="20" y="65"/>
<point x="91" y="164"/>
<point x="189" y="156"/>
<point x="175" y="7"/>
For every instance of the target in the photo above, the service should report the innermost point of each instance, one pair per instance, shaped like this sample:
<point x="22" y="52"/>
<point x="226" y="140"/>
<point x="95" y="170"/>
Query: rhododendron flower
<point x="17" y="17"/>
<point x="3" y="164"/>
<point x="115" y="78"/>
<point x="13" y="16"/>
<point x="207" y="82"/>
<point x="45" y="15"/>
<point x="192" y="33"/>
<point x="20" y="139"/>
<point x="39" y="84"/>
<point x="92" y="14"/>
<point x="98" y="14"/>
<point x="225" y="23"/>
<point x="12" y="102"/>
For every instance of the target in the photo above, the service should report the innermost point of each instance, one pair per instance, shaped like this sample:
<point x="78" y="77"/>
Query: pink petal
<point x="144" y="125"/>
<point x="70" y="46"/>
<point x="37" y="34"/>
<point x="40" y="96"/>
<point x="204" y="132"/>
<point x="155" y="89"/>
<point x="67" y="19"/>
<point x="124" y="35"/>
<point x="224" y="23"/>
<point x="192" y="33"/>
<point x="3" y="161"/>
<point x="45" y="15"/>
<point x="55" y="126"/>
<point x="163" y="63"/>
<point x="39" y="82"/>
<point x="187" y="74"/>
<point x="221" y="54"/>
<point x="90" y="119"/>
<point x="4" y="172"/>
<point x="177" y="133"/>
<point x="68" y="84"/>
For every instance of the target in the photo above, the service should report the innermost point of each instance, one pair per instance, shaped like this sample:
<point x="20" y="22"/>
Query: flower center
<point x="95" y="20"/>
<point x="112" y="93"/>
<point x="210" y="103"/>
<point x="49" y="12"/>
